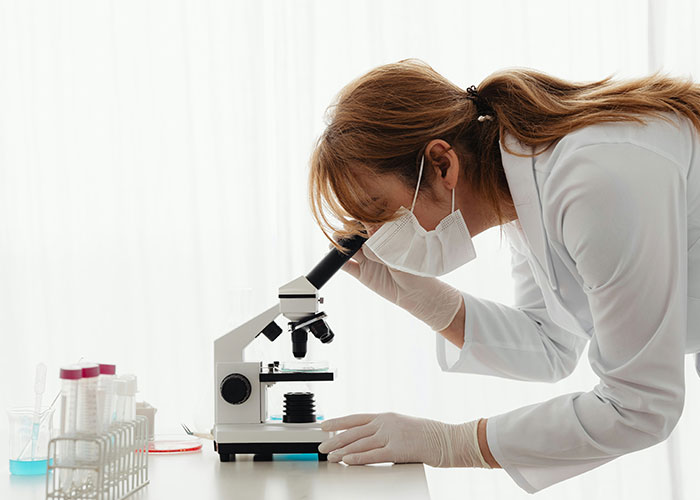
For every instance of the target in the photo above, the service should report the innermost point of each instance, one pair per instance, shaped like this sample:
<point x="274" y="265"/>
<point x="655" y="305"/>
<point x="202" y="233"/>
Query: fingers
<point x="375" y="456"/>
<point x="352" y="268"/>
<point x="347" y="422"/>
<point x="345" y="438"/>
<point x="370" y="255"/>
<point x="365" y="444"/>
<point x="359" y="256"/>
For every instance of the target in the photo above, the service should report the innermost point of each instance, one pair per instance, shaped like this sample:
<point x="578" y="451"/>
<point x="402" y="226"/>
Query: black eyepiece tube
<point x="335" y="259"/>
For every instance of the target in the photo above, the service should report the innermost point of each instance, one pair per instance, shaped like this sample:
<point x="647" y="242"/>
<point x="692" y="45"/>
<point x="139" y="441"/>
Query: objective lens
<point x="299" y="341"/>
<point x="321" y="331"/>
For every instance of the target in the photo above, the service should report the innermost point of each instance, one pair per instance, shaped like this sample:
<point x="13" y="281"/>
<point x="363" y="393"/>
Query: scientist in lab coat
<point x="596" y="185"/>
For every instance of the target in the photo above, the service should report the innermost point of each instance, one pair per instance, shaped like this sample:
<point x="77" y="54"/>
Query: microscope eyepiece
<point x="334" y="260"/>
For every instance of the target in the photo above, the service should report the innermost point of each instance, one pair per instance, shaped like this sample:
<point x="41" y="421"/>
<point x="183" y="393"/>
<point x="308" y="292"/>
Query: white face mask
<point x="405" y="245"/>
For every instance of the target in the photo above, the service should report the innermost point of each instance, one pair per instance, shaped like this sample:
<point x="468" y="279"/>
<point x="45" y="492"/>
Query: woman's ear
<point x="444" y="162"/>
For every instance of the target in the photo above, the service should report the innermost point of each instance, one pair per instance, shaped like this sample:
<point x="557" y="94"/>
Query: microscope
<point x="241" y="424"/>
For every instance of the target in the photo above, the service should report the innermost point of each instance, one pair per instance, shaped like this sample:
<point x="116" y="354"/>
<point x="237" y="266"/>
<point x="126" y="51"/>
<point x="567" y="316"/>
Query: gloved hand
<point x="432" y="301"/>
<point x="391" y="437"/>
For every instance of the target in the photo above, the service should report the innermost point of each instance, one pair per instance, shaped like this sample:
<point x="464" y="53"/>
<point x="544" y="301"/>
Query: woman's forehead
<point x="382" y="188"/>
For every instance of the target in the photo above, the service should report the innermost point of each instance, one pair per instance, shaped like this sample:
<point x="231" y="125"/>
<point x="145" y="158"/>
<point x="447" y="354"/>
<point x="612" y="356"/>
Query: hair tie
<point x="483" y="110"/>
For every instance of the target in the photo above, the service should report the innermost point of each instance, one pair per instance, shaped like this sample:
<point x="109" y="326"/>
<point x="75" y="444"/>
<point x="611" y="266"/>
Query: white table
<point x="200" y="476"/>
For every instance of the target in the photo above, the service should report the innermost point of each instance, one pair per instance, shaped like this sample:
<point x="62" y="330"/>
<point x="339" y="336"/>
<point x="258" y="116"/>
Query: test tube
<point x="87" y="401"/>
<point x="105" y="396"/>
<point x="70" y="376"/>
<point x="126" y="388"/>
<point x="119" y="397"/>
<point x="87" y="414"/>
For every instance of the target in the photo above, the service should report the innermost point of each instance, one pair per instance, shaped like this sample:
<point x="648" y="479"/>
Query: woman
<point x="597" y="187"/>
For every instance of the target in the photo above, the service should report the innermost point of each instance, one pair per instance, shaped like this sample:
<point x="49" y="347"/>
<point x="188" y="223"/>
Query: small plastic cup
<point x="29" y="444"/>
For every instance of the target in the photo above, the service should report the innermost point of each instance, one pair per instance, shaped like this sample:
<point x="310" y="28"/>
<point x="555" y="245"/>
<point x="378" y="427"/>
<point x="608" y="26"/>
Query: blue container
<point x="28" y="467"/>
<point x="29" y="441"/>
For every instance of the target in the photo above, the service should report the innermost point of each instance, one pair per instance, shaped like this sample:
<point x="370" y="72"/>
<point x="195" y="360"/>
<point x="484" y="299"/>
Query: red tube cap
<point x="91" y="370"/>
<point x="71" y="372"/>
<point x="107" y="369"/>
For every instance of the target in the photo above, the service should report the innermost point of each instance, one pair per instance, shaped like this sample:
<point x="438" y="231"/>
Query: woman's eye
<point x="381" y="210"/>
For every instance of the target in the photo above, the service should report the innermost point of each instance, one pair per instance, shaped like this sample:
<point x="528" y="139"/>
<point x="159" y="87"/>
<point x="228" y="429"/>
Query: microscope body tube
<point x="334" y="260"/>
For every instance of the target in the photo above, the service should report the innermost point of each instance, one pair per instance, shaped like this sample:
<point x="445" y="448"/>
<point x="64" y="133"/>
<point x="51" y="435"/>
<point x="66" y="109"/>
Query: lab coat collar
<point x="520" y="174"/>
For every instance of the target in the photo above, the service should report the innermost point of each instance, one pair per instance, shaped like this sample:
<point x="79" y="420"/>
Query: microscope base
<point x="264" y="451"/>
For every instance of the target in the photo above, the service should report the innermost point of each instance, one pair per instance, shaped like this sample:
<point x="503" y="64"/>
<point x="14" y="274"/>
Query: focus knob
<point x="235" y="388"/>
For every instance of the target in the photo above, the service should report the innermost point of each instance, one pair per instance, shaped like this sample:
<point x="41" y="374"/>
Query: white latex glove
<point x="391" y="437"/>
<point x="432" y="301"/>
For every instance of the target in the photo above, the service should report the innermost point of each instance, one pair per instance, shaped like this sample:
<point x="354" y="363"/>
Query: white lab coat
<point x="605" y="249"/>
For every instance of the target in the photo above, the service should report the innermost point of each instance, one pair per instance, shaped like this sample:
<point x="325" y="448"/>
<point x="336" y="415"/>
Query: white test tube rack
<point x="121" y="467"/>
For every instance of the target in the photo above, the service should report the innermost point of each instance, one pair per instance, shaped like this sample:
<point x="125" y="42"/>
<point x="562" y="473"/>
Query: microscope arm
<point x="229" y="347"/>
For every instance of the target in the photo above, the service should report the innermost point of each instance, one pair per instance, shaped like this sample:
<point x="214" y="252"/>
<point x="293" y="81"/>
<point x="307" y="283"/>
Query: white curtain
<point x="153" y="167"/>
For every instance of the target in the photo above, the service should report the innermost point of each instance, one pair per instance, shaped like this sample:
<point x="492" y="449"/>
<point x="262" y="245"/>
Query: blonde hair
<point x="380" y="123"/>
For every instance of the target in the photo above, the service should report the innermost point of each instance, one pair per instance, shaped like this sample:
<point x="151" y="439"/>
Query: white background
<point x="153" y="168"/>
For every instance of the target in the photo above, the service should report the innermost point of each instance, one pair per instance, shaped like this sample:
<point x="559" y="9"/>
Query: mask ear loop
<point x="453" y="200"/>
<point x="420" y="174"/>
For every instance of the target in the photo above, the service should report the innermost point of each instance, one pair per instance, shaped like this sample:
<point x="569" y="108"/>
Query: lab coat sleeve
<point x="519" y="342"/>
<point x="619" y="210"/>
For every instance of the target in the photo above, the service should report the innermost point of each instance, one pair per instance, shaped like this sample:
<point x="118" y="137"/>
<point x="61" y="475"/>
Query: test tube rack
<point x="120" y="467"/>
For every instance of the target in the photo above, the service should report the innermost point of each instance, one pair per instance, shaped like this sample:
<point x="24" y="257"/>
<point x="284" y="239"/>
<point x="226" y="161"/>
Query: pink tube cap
<point x="91" y="370"/>
<point x="71" y="372"/>
<point x="107" y="369"/>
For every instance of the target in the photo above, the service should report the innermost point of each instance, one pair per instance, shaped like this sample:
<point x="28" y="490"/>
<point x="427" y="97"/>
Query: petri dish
<point x="174" y="443"/>
<point x="304" y="366"/>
